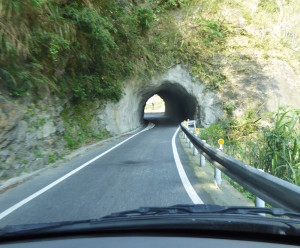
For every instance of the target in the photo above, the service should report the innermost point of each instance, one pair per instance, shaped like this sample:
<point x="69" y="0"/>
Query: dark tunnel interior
<point x="179" y="104"/>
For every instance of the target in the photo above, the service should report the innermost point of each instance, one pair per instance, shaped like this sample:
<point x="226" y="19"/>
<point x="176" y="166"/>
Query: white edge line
<point x="184" y="179"/>
<point x="51" y="185"/>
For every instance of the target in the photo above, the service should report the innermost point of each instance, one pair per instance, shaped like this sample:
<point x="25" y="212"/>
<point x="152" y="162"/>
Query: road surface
<point x="139" y="172"/>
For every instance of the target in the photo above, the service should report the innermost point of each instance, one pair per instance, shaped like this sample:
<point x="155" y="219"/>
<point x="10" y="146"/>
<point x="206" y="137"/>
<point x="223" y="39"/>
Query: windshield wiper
<point x="203" y="209"/>
<point x="112" y="221"/>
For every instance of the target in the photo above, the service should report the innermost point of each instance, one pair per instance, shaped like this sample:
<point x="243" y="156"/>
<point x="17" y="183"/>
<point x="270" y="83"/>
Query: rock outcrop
<point x="29" y="135"/>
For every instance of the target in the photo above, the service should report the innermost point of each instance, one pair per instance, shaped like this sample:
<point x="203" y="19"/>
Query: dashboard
<point x="145" y="242"/>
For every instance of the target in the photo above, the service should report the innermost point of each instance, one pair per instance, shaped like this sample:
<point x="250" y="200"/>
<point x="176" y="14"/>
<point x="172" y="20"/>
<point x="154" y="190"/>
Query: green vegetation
<point x="281" y="146"/>
<point x="77" y="119"/>
<point x="269" y="5"/>
<point x="37" y="153"/>
<point x="229" y="108"/>
<point x="86" y="49"/>
<point x="240" y="188"/>
<point x="52" y="158"/>
<point x="69" y="48"/>
<point x="204" y="36"/>
<point x="42" y="121"/>
<point x="275" y="148"/>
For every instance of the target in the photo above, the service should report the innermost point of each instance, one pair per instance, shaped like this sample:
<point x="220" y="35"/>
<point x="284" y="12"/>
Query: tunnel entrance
<point x="179" y="104"/>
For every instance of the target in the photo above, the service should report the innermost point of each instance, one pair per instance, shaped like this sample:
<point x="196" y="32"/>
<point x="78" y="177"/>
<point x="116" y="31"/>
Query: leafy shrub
<point x="96" y="27"/>
<point x="281" y="145"/>
<point x="229" y="108"/>
<point x="210" y="31"/>
<point x="79" y="49"/>
<point x="269" y="5"/>
<point x="145" y="17"/>
<point x="213" y="133"/>
<point x="171" y="4"/>
<point x="52" y="158"/>
<point x="77" y="119"/>
<point x="274" y="149"/>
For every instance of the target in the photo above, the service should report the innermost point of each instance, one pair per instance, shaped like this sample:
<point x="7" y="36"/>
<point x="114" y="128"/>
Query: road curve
<point x="140" y="172"/>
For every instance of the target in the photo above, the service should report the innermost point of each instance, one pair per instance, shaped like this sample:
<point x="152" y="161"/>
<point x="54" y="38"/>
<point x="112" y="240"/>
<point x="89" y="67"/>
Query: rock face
<point x="28" y="136"/>
<point x="283" y="85"/>
<point x="9" y="117"/>
<point x="254" y="82"/>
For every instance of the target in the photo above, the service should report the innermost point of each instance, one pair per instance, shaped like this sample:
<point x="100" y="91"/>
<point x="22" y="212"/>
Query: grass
<point x="42" y="121"/>
<point x="203" y="36"/>
<point x="274" y="149"/>
<point x="229" y="108"/>
<point x="37" y="153"/>
<point x="240" y="188"/>
<point x="52" y="158"/>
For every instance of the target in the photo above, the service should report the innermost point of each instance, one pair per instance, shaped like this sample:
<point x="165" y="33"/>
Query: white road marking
<point x="184" y="179"/>
<point x="51" y="185"/>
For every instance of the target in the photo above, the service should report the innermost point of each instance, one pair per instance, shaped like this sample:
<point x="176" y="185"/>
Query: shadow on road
<point x="160" y="119"/>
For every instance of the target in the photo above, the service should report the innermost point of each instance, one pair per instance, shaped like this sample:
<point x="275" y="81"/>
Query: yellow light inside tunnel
<point x="155" y="104"/>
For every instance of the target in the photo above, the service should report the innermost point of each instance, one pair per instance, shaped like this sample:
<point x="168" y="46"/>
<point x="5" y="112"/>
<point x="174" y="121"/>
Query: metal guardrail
<point x="273" y="190"/>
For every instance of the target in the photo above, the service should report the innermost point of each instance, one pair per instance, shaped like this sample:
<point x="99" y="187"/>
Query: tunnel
<point x="179" y="104"/>
<point x="184" y="98"/>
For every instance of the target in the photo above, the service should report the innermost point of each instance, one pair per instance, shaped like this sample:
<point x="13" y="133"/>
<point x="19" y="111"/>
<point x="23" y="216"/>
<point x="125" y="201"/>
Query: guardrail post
<point x="186" y="125"/>
<point x="191" y="144"/>
<point x="218" y="174"/>
<point x="195" y="151"/>
<point x="259" y="202"/>
<point x="202" y="158"/>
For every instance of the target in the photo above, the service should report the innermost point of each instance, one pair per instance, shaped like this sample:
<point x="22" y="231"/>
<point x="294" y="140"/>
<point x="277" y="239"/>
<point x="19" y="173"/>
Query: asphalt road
<point x="140" y="172"/>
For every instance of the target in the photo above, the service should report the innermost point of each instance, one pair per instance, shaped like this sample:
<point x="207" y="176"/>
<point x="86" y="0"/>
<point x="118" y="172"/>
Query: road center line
<point x="51" y="185"/>
<point x="184" y="179"/>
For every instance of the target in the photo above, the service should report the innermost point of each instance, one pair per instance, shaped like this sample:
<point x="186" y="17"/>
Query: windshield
<point x="114" y="105"/>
